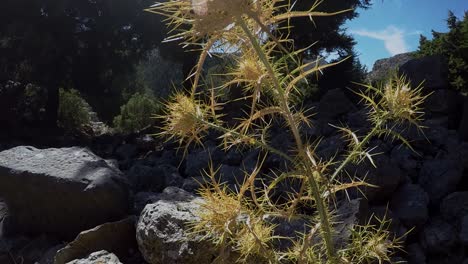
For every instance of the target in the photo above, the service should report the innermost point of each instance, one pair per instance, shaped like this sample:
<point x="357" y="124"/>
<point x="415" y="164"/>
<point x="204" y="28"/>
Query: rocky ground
<point x="126" y="199"/>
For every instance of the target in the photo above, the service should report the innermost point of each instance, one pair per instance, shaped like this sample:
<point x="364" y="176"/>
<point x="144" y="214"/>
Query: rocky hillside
<point x="116" y="199"/>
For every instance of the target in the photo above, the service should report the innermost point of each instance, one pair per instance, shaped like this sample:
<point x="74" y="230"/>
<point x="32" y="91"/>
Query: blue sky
<point x="391" y="27"/>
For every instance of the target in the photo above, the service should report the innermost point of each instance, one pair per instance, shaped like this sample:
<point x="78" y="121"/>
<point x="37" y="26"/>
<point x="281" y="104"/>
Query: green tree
<point x="453" y="45"/>
<point x="327" y="33"/>
<point x="329" y="36"/>
<point x="137" y="113"/>
<point x="72" y="112"/>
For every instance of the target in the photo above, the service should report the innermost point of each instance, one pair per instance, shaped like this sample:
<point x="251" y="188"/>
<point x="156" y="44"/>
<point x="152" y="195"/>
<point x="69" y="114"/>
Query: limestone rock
<point x="162" y="230"/>
<point x="117" y="237"/>
<point x="99" y="257"/>
<point x="59" y="191"/>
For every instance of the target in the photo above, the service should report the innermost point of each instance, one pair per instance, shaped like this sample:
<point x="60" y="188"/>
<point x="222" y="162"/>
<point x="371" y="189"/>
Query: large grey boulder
<point x="433" y="70"/>
<point x="162" y="230"/>
<point x="59" y="191"/>
<point x="99" y="257"/>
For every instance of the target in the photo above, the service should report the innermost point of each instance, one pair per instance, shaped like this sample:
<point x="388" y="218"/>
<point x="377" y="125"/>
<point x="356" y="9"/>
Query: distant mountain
<point x="383" y="67"/>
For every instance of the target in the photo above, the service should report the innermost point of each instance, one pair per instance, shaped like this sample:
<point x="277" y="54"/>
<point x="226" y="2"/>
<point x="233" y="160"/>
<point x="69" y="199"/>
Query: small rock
<point x="117" y="237"/>
<point x="126" y="151"/>
<point x="141" y="199"/>
<point x="436" y="135"/>
<point x="49" y="255"/>
<point x="334" y="104"/>
<point x="192" y="184"/>
<point x="415" y="254"/>
<point x="410" y="205"/>
<point x="454" y="207"/>
<point x="196" y="161"/>
<point x="162" y="230"/>
<point x="359" y="120"/>
<point x="169" y="157"/>
<point x="145" y="178"/>
<point x="405" y="157"/>
<point x="250" y="160"/>
<point x="463" y="127"/>
<point x="231" y="174"/>
<point x="155" y="179"/>
<point x="439" y="177"/>
<point x="438" y="236"/>
<point x="378" y="213"/>
<point x="458" y="151"/>
<point x="26" y="249"/>
<point x="171" y="175"/>
<point x="463" y="235"/>
<point x="387" y="176"/>
<point x="331" y="147"/>
<point x="99" y="257"/>
<point x="145" y="143"/>
<point x="233" y="157"/>
<point x="288" y="228"/>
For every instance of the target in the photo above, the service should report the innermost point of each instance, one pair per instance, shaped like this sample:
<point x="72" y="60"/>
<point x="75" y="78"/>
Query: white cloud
<point x="393" y="38"/>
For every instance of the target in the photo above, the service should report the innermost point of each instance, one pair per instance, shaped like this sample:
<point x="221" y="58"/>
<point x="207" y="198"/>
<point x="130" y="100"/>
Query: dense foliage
<point x="106" y="49"/>
<point x="92" y="46"/>
<point x="453" y="45"/>
<point x="72" y="112"/>
<point x="156" y="75"/>
<point x="137" y="113"/>
<point x="329" y="36"/>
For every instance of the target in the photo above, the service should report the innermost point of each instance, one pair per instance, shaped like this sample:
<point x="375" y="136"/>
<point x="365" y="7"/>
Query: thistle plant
<point x="269" y="71"/>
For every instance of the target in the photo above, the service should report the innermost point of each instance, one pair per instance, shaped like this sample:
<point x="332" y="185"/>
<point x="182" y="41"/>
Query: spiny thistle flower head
<point x="206" y="17"/>
<point x="395" y="101"/>
<point x="248" y="71"/>
<point x="401" y="101"/>
<point x="251" y="69"/>
<point x="254" y="238"/>
<point x="372" y="242"/>
<point x="184" y="119"/>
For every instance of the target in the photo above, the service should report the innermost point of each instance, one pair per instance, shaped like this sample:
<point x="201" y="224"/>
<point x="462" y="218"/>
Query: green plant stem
<point x="320" y="203"/>
<point x="361" y="144"/>
<point x="255" y="142"/>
